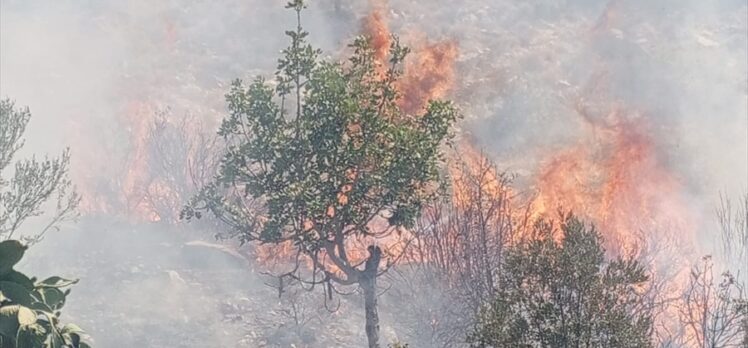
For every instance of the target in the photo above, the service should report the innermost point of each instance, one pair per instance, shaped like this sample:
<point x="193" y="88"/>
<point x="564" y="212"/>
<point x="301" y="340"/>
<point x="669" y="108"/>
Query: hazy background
<point x="79" y="65"/>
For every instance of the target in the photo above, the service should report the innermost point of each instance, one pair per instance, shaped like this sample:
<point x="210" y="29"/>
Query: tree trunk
<point x="369" y="285"/>
<point x="368" y="282"/>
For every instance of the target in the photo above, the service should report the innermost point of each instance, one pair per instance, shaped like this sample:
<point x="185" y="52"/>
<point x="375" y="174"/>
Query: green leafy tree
<point x="33" y="183"/>
<point x="557" y="290"/>
<point x="322" y="157"/>
<point x="30" y="309"/>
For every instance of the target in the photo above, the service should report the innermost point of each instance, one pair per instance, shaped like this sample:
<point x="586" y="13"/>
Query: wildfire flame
<point x="165" y="160"/>
<point x="616" y="180"/>
<point x="429" y="70"/>
<point x="613" y="176"/>
<point x="376" y="28"/>
<point x="131" y="185"/>
<point x="428" y="75"/>
<point x="136" y="181"/>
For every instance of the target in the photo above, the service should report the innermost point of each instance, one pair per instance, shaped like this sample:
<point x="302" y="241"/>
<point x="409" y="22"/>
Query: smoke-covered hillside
<point x="633" y="114"/>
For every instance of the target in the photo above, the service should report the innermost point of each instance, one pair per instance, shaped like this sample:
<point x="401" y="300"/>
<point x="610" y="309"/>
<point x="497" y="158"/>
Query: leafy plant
<point x="327" y="157"/>
<point x="558" y="290"/>
<point x="33" y="183"/>
<point x="30" y="309"/>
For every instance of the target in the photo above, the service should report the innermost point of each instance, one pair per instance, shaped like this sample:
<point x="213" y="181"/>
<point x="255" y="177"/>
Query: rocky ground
<point x="149" y="285"/>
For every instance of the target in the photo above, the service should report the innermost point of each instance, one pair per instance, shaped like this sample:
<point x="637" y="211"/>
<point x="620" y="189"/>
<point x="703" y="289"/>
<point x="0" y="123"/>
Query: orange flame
<point x="428" y="75"/>
<point x="617" y="181"/>
<point x="125" y="192"/>
<point x="158" y="172"/>
<point x="429" y="70"/>
<point x="136" y="181"/>
<point x="375" y="26"/>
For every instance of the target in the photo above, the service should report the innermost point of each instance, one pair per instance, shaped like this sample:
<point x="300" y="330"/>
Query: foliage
<point x="30" y="309"/>
<point x="346" y="155"/>
<point x="558" y="291"/>
<point x="33" y="183"/>
<point x="323" y="153"/>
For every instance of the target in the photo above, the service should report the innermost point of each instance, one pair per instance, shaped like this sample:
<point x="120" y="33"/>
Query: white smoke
<point x="79" y="64"/>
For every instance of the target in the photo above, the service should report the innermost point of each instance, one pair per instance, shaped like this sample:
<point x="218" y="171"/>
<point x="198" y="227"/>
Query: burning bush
<point x="169" y="158"/>
<point x="464" y="237"/>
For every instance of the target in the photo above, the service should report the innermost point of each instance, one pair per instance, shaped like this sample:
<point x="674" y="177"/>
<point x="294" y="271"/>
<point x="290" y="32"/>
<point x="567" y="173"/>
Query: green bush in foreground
<point x="30" y="309"/>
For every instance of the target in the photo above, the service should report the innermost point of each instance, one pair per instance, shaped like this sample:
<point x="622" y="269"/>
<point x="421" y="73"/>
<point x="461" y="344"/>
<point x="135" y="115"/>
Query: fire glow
<point x="615" y="180"/>
<point x="612" y="177"/>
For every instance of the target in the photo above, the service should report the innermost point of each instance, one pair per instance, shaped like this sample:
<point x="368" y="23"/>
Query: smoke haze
<point x="93" y="72"/>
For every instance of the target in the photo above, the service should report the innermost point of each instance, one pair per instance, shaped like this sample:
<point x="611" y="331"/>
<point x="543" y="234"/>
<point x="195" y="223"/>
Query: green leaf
<point x="41" y="307"/>
<point x="52" y="297"/>
<point x="71" y="339"/>
<point x="18" y="278"/>
<point x="17" y="293"/>
<point x="11" y="251"/>
<point x="31" y="336"/>
<point x="57" y="282"/>
<point x="56" y="339"/>
<point x="72" y="328"/>
<point x="9" y="321"/>
<point x="14" y="318"/>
